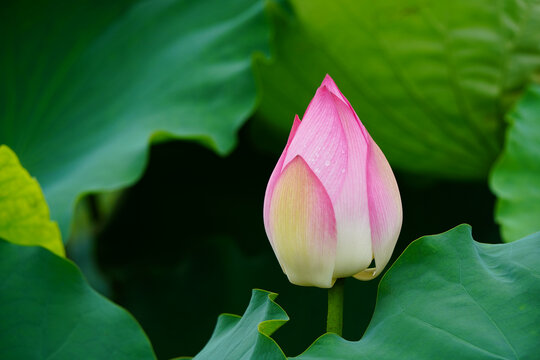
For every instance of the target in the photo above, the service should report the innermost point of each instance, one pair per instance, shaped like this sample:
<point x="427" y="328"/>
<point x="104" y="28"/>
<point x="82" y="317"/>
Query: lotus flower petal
<point x="320" y="140"/>
<point x="351" y="207"/>
<point x="386" y="214"/>
<point x="303" y="226"/>
<point x="275" y="176"/>
<point x="330" y="84"/>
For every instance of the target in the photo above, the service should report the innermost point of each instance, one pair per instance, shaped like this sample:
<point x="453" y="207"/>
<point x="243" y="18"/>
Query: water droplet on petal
<point x="327" y="163"/>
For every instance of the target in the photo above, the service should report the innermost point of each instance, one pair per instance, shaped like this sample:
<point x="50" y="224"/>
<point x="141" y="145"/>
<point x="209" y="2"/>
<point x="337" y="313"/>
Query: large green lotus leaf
<point x="247" y="337"/>
<point x="24" y="215"/>
<point x="48" y="311"/>
<point x="449" y="297"/>
<point x="87" y="84"/>
<point x="431" y="80"/>
<point x="446" y="297"/>
<point x="516" y="176"/>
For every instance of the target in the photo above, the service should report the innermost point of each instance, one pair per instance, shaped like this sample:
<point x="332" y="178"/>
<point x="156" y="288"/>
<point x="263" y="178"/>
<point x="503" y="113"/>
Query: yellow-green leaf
<point x="24" y="214"/>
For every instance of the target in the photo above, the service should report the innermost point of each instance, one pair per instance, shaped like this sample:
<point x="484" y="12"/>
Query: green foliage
<point x="446" y="297"/>
<point x="430" y="80"/>
<point x="49" y="312"/>
<point x="449" y="297"/>
<point x="86" y="85"/>
<point x="516" y="176"/>
<point x="247" y="337"/>
<point x="24" y="215"/>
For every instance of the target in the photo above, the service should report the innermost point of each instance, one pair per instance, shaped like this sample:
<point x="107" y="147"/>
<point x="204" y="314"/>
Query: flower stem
<point x="334" y="321"/>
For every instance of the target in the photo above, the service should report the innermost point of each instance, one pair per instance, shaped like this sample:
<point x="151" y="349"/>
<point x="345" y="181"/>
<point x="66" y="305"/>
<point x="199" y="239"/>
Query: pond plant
<point x="138" y="200"/>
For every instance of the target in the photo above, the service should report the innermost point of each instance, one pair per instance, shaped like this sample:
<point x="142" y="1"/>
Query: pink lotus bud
<point x="332" y="204"/>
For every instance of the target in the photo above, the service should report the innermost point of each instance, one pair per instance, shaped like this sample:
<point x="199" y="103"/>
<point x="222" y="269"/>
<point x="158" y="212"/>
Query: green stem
<point x="334" y="321"/>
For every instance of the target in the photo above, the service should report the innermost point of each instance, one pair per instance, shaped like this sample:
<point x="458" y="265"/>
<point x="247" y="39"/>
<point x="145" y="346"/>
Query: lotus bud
<point x="332" y="204"/>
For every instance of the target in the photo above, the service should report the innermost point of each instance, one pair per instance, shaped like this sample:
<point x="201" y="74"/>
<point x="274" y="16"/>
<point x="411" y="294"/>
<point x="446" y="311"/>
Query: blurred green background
<point x="153" y="127"/>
